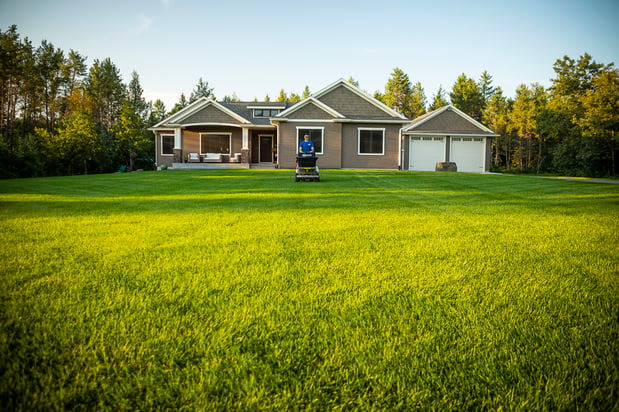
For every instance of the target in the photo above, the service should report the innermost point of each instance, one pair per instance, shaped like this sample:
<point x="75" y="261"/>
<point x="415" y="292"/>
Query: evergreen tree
<point x="467" y="97"/>
<point x="485" y="87"/>
<point x="306" y="92"/>
<point x="398" y="93"/>
<point x="182" y="103"/>
<point x="201" y="90"/>
<point x="49" y="68"/>
<point x="418" y="101"/>
<point x="282" y="96"/>
<point x="353" y="81"/>
<point x="439" y="99"/>
<point x="158" y="113"/>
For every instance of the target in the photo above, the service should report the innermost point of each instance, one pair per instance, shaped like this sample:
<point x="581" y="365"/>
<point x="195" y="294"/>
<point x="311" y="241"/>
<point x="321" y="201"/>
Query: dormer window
<point x="266" y="112"/>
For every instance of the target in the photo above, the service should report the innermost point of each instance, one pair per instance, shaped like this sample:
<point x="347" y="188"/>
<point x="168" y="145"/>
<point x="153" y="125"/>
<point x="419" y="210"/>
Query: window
<point x="371" y="141"/>
<point x="315" y="134"/>
<point x="215" y="143"/>
<point x="167" y="144"/>
<point x="266" y="112"/>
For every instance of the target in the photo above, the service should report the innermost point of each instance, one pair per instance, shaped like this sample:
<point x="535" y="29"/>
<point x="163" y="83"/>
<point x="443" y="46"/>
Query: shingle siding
<point x="210" y="114"/>
<point x="353" y="106"/>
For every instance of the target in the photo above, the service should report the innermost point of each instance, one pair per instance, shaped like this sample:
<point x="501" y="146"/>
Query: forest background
<point x="60" y="117"/>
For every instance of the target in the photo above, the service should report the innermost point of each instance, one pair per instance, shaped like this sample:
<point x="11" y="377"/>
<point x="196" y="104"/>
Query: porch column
<point x="245" y="149"/>
<point x="245" y="138"/>
<point x="178" y="151"/>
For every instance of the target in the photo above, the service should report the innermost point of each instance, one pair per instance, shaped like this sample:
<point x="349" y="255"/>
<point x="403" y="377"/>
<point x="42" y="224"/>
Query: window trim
<point x="382" y="129"/>
<point x="217" y="133"/>
<point x="167" y="135"/>
<point x="322" y="138"/>
<point x="272" y="112"/>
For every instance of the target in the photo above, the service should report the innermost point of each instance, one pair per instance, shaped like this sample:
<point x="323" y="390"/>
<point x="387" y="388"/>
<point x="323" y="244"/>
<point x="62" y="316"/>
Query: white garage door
<point x="425" y="152"/>
<point x="468" y="153"/>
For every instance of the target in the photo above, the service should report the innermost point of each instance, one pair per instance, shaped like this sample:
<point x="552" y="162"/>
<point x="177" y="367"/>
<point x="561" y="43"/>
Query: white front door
<point x="425" y="152"/>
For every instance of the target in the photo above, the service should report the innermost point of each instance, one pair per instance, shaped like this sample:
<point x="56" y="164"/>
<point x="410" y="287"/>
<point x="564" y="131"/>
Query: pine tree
<point x="439" y="99"/>
<point x="418" y="101"/>
<point x="398" y="93"/>
<point x="467" y="97"/>
<point x="201" y="90"/>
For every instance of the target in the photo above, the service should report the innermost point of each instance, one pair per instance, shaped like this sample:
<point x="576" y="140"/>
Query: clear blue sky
<point x="254" y="48"/>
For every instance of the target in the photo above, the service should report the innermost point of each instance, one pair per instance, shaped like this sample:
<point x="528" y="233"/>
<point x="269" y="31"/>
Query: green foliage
<point x="398" y="93"/>
<point x="418" y="101"/>
<point x="467" y="96"/>
<point x="439" y="100"/>
<point x="201" y="90"/>
<point x="398" y="291"/>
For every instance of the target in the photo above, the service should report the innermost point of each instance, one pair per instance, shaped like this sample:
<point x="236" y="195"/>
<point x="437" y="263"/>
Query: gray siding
<point x="210" y="114"/>
<point x="310" y="111"/>
<point x="351" y="158"/>
<point x="332" y="144"/>
<point x="353" y="106"/>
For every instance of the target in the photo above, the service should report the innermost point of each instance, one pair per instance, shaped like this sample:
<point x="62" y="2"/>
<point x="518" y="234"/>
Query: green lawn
<point x="243" y="290"/>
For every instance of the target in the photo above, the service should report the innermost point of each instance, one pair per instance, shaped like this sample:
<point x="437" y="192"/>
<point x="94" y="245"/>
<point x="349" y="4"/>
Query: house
<point x="447" y="135"/>
<point x="350" y="130"/>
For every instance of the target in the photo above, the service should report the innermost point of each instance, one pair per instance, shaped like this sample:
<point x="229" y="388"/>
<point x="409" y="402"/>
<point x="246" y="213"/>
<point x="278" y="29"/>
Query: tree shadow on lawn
<point x="276" y="190"/>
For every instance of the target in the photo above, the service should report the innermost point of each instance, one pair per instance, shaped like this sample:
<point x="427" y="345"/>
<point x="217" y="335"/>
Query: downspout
<point x="278" y="138"/>
<point x="400" y="152"/>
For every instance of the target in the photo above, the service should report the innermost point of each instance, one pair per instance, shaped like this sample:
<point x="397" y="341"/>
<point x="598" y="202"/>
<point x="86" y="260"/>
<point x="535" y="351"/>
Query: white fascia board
<point x="442" y="134"/>
<point x="393" y="121"/>
<point x="304" y="103"/>
<point x="258" y="106"/>
<point x="196" y="107"/>
<point x="470" y="119"/>
<point x="363" y="95"/>
<point x="433" y="115"/>
<point x="184" y="112"/>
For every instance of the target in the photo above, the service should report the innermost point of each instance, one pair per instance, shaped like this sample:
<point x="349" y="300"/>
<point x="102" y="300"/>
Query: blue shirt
<point x="306" y="147"/>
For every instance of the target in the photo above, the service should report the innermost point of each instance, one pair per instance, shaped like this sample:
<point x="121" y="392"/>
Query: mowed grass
<point x="371" y="290"/>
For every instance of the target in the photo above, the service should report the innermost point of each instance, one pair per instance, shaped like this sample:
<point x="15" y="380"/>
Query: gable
<point x="351" y="105"/>
<point x="210" y="114"/>
<point x="449" y="122"/>
<point x="310" y="111"/>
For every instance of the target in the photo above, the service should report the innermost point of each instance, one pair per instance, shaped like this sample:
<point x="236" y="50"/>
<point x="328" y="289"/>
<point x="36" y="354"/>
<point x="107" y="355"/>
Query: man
<point x="306" y="146"/>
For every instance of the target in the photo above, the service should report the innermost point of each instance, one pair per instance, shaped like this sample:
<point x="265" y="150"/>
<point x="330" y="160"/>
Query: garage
<point x="468" y="153"/>
<point x="425" y="152"/>
<point x="446" y="135"/>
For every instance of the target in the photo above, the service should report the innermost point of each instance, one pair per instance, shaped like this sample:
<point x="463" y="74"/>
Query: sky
<point x="257" y="48"/>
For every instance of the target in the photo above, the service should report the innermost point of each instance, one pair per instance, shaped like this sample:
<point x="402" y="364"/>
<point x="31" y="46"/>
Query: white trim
<point x="322" y="138"/>
<point x="391" y="121"/>
<point x="362" y="94"/>
<point x="414" y="133"/>
<point x="449" y="107"/>
<point x="266" y="107"/>
<point x="245" y="138"/>
<point x="166" y="135"/>
<point x="195" y="107"/>
<point x="359" y="129"/>
<point x="217" y="133"/>
<point x="304" y="103"/>
<point x="178" y="136"/>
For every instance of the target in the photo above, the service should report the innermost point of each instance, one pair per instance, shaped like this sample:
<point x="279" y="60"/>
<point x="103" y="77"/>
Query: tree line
<point x="568" y="129"/>
<point x="59" y="117"/>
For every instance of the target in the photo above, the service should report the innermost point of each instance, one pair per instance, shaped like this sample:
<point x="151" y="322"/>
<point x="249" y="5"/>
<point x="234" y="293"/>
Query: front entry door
<point x="266" y="146"/>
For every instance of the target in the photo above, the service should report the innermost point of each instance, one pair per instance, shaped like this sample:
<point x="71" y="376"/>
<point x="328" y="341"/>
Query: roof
<point x="240" y="113"/>
<point x="447" y="120"/>
<point x="346" y="102"/>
